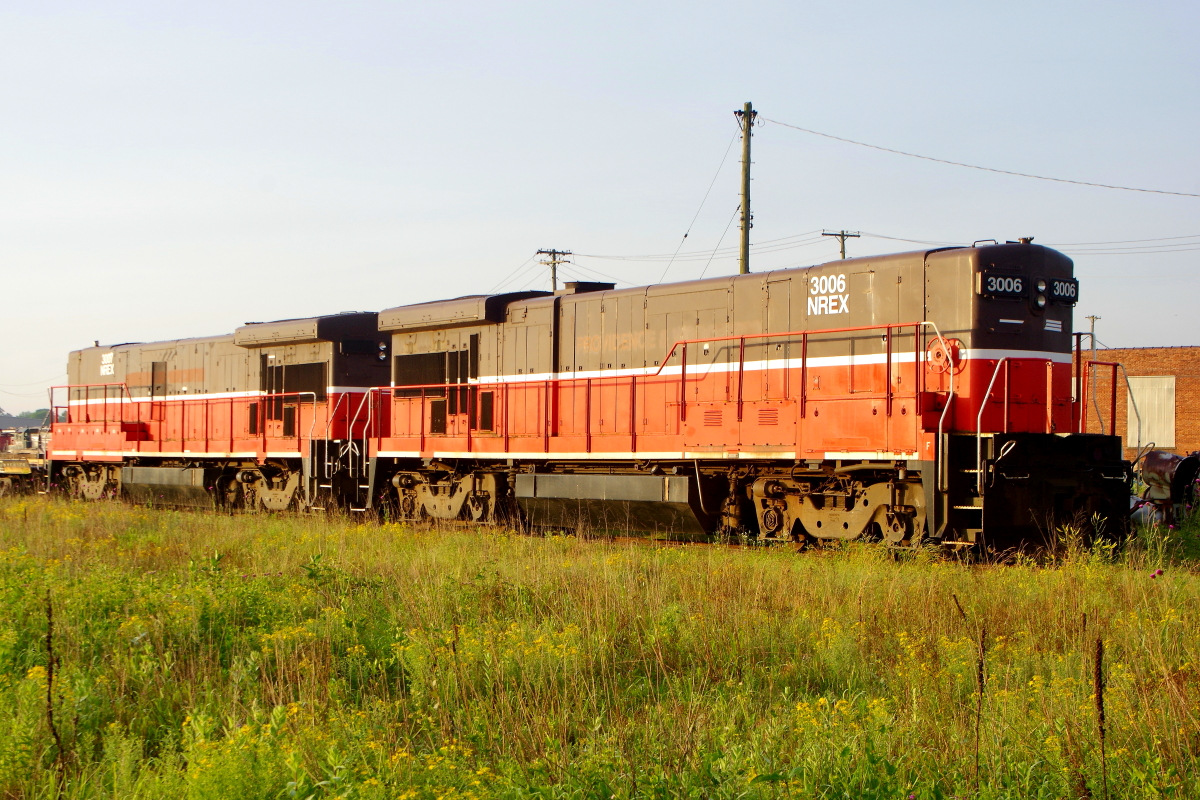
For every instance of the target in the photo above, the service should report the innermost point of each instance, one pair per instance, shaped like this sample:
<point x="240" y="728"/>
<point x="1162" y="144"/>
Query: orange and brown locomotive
<point x="934" y="395"/>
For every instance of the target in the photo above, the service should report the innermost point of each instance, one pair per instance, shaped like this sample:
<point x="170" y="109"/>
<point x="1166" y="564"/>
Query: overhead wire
<point x="19" y="394"/>
<point x="1143" y="248"/>
<point x="1130" y="241"/>
<point x="914" y="241"/>
<point x="1171" y="245"/>
<point x="974" y="166"/>
<point x="598" y="272"/>
<point x="1128" y="252"/>
<point x="32" y="383"/>
<point x="519" y="272"/>
<point x="727" y="226"/>
<point x="696" y="216"/>
<point x="697" y="254"/>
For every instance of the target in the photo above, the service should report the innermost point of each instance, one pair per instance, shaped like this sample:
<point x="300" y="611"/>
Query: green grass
<point x="239" y="657"/>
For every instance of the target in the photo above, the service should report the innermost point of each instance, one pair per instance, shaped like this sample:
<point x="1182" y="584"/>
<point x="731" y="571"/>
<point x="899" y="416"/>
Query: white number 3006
<point x="1066" y="289"/>
<point x="1005" y="285"/>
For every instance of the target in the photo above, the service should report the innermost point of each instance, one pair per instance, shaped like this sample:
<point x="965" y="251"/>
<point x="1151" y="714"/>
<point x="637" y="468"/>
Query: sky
<point x="177" y="169"/>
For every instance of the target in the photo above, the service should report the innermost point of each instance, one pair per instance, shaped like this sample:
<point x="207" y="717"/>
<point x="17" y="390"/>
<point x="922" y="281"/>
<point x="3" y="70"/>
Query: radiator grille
<point x="712" y="418"/>
<point x="768" y="416"/>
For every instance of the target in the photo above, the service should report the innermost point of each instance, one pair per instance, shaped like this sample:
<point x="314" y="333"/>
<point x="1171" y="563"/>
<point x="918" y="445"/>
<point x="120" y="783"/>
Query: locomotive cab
<point x="1016" y="464"/>
<point x="1024" y="298"/>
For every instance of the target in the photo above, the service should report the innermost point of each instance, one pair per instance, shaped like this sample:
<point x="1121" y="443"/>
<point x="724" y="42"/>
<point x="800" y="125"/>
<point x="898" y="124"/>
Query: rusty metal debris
<point x="1170" y="482"/>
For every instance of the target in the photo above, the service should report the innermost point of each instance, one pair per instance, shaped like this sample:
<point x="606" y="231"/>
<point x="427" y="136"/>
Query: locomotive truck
<point x="933" y="395"/>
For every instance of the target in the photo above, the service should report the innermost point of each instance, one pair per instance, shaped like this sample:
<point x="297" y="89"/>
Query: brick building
<point x="1166" y="388"/>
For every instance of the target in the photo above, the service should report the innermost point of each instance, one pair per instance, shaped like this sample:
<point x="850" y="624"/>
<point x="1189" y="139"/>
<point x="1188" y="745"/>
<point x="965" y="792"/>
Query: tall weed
<point x="287" y="657"/>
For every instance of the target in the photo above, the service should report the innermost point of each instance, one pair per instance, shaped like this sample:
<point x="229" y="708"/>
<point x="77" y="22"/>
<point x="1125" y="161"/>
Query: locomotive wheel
<point x="228" y="493"/>
<point x="477" y="507"/>
<point x="895" y="530"/>
<point x="408" y="505"/>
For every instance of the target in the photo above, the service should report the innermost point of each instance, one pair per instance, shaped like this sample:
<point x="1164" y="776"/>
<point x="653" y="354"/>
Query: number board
<point x="992" y="284"/>
<point x="1064" y="290"/>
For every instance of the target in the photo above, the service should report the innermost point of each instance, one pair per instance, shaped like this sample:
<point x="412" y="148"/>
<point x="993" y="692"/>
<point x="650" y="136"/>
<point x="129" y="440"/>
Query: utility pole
<point x="745" y="119"/>
<point x="1092" y="383"/>
<point x="842" y="236"/>
<point x="555" y="260"/>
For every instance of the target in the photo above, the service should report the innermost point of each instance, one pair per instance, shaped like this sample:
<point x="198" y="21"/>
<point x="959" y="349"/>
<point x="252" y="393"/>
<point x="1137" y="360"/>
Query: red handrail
<point x="1112" y="400"/>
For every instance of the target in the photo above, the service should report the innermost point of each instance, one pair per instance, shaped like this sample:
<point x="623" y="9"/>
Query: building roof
<point x="1156" y="347"/>
<point x="19" y="422"/>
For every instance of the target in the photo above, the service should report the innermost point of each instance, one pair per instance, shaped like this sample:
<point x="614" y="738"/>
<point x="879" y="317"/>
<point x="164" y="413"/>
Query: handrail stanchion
<point x="587" y="417"/>
<point x="366" y="431"/>
<point x="421" y="424"/>
<point x="1007" y="392"/>
<point x="741" y="374"/>
<point x="1112" y="400"/>
<point x="803" y="374"/>
<point x="1112" y="404"/>
<point x="1077" y="408"/>
<point x="633" y="413"/>
<point x="1049" y="399"/>
<point x="683" y="384"/>
<point x="888" y="371"/>
<point x="979" y="425"/>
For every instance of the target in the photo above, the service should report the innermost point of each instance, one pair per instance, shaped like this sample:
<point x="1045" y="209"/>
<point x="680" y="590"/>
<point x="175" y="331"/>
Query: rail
<point x="803" y="335"/>
<point x="418" y="396"/>
<point x="87" y="400"/>
<point x="1112" y="401"/>
<point x="1136" y="413"/>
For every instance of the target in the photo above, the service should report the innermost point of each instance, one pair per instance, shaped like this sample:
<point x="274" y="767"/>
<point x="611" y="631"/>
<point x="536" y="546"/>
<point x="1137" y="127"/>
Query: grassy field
<point x="239" y="657"/>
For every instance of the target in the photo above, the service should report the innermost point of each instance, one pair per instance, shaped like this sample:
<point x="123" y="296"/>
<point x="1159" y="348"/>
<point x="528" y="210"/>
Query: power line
<point x="1128" y="252"/>
<point x="731" y="219"/>
<point x="19" y="394"/>
<point x="577" y="265"/>
<point x="510" y="275"/>
<point x="769" y="246"/>
<point x="1078" y="247"/>
<point x="913" y="241"/>
<point x="1165" y="247"/>
<point x="701" y="208"/>
<point x="515" y="281"/>
<point x="31" y="383"/>
<point x="517" y="274"/>
<point x="1129" y="241"/>
<point x="641" y="257"/>
<point x="811" y="238"/>
<point x="973" y="166"/>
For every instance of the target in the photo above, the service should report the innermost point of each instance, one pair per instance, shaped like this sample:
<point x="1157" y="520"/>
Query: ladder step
<point x="968" y="508"/>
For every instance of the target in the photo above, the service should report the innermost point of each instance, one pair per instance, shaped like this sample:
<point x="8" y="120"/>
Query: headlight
<point x="1041" y="301"/>
<point x="1041" y="285"/>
